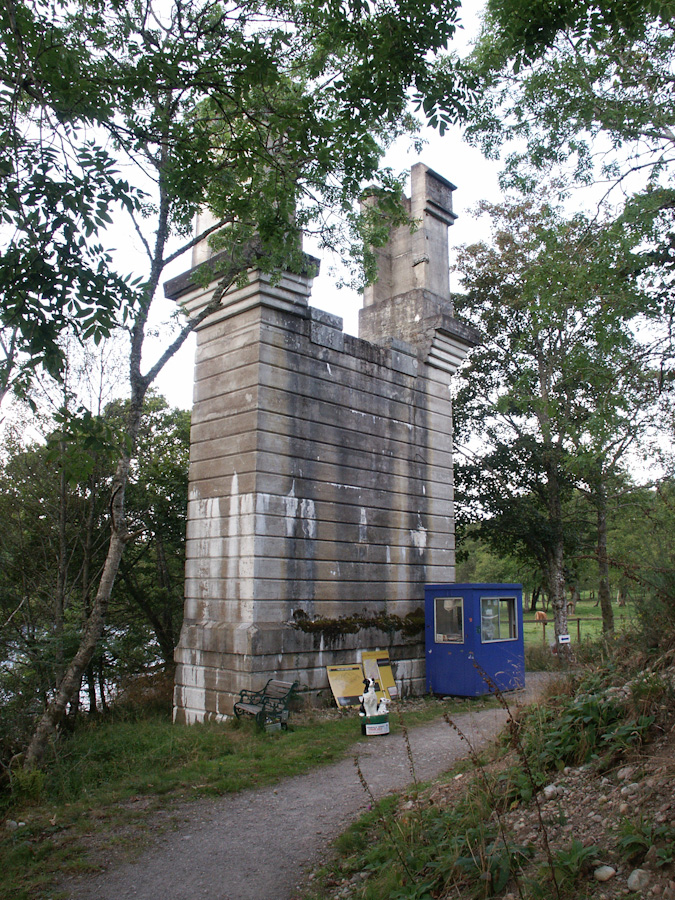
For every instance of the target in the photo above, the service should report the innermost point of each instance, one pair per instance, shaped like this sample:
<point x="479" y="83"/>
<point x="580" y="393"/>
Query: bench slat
<point x="249" y="707"/>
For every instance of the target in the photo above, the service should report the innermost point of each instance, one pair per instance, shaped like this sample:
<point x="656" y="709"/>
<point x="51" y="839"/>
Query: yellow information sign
<point x="346" y="683"/>
<point x="377" y="665"/>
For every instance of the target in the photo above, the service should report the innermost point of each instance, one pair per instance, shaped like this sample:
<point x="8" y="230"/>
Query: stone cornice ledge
<point x="450" y="344"/>
<point x="290" y="291"/>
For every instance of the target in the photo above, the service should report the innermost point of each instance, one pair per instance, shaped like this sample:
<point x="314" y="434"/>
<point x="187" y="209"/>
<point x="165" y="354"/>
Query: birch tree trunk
<point x="556" y="586"/>
<point x="556" y="555"/>
<point x="61" y="576"/>
<point x="71" y="681"/>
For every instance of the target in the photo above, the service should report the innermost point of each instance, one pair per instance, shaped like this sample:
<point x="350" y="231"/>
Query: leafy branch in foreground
<point x="586" y="86"/>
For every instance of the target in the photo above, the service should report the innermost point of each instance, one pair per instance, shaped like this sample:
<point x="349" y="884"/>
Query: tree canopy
<point x="560" y="388"/>
<point x="583" y="86"/>
<point x="574" y="94"/>
<point x="271" y="115"/>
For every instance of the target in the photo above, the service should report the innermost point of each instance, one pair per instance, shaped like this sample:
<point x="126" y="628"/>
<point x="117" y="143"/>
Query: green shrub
<point x="656" y="617"/>
<point x="26" y="786"/>
<point x="637" y="837"/>
<point x="575" y="731"/>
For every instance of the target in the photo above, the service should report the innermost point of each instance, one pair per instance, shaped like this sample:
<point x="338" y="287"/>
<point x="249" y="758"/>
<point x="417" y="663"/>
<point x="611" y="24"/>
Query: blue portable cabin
<point x="469" y="628"/>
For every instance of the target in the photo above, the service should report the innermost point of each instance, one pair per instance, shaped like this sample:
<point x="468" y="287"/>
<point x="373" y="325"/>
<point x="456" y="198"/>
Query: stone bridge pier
<point x="320" y="486"/>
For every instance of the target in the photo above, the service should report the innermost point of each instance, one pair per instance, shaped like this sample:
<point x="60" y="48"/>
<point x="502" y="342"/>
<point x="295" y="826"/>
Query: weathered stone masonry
<point x="320" y="471"/>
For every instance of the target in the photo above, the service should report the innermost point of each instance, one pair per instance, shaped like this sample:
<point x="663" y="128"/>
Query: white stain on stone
<point x="204" y="560"/>
<point x="233" y="536"/>
<point x="364" y="415"/>
<point x="363" y="526"/>
<point x="291" y="504"/>
<point x="308" y="516"/>
<point x="419" y="538"/>
<point x="246" y="568"/>
<point x="302" y="513"/>
<point x="192" y="694"/>
<point x="262" y="506"/>
<point x="388" y="423"/>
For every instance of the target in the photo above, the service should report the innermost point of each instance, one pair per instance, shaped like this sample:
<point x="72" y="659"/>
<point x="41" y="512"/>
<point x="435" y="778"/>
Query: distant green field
<point x="584" y="624"/>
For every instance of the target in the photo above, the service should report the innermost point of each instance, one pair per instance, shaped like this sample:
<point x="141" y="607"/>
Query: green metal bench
<point x="268" y="707"/>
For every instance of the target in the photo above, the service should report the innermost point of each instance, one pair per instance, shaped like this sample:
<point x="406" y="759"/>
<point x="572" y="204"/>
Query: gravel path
<point x="257" y="845"/>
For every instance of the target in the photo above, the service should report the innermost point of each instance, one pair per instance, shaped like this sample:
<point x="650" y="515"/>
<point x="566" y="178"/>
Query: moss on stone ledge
<point x="333" y="629"/>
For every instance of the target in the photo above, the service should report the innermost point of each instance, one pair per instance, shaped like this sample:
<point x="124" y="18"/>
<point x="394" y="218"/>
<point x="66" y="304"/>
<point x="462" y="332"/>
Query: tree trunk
<point x="91" y="690"/>
<point x="535" y="596"/>
<point x="61" y="575"/>
<point x="70" y="683"/>
<point x="101" y="682"/>
<point x="87" y="552"/>
<point x="604" y="596"/>
<point x="555" y="557"/>
<point x="556" y="588"/>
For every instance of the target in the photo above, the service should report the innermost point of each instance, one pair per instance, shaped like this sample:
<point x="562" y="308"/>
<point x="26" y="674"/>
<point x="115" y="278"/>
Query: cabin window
<point x="498" y="619"/>
<point x="449" y="620"/>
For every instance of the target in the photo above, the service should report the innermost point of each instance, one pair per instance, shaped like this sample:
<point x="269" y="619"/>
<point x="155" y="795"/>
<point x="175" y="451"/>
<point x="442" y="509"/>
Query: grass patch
<point x="588" y="630"/>
<point x="416" y="849"/>
<point x="111" y="761"/>
<point x="114" y="772"/>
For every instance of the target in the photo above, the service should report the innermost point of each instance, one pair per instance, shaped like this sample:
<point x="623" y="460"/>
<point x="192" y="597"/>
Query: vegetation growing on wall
<point x="333" y="630"/>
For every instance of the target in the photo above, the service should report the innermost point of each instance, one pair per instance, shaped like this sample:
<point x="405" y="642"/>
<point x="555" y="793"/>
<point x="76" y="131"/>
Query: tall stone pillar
<point x="410" y="305"/>
<point x="320" y="496"/>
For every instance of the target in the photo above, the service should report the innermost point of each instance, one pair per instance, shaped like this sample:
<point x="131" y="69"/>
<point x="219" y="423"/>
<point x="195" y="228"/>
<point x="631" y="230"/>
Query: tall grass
<point x="112" y="760"/>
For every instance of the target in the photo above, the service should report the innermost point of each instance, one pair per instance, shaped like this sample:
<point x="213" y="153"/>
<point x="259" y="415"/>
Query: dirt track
<point x="258" y="845"/>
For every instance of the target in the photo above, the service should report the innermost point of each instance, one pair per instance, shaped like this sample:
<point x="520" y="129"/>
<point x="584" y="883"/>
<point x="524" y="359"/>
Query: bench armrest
<point x="249" y="696"/>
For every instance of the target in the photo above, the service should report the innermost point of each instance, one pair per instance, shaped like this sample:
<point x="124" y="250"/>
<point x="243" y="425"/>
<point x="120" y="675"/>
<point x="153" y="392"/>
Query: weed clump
<point x="591" y="726"/>
<point x="333" y="630"/>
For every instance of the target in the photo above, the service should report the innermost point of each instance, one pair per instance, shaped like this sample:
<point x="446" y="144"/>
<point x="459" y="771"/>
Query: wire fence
<point x="579" y="627"/>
